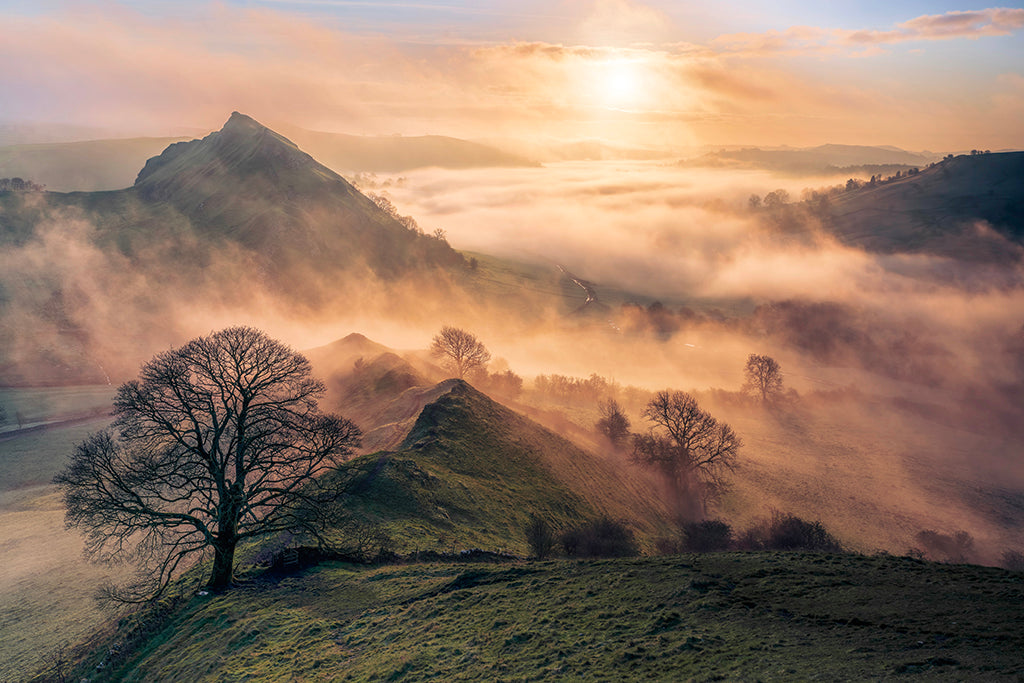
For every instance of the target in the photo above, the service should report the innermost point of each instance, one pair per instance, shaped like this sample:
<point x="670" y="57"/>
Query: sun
<point x="622" y="86"/>
<point x="615" y="83"/>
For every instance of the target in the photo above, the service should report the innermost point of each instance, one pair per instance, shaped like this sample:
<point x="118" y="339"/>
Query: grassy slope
<point x="758" y="616"/>
<point x="934" y="211"/>
<point x="471" y="471"/>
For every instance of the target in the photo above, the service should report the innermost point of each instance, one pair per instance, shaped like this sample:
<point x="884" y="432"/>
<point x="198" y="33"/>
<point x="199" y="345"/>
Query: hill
<point x="471" y="471"/>
<point x="969" y="207"/>
<point x="824" y="159"/>
<point x="380" y="154"/>
<point x="112" y="164"/>
<point x="242" y="215"/>
<point x="734" y="616"/>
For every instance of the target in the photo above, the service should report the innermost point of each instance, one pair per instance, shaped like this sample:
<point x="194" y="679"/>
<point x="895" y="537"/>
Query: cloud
<point x="798" y="40"/>
<point x="132" y="69"/>
<point x="622" y="22"/>
<point x="976" y="24"/>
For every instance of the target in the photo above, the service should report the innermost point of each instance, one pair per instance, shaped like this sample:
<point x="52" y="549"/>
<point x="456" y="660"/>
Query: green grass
<point x="735" y="616"/>
<point x="471" y="472"/>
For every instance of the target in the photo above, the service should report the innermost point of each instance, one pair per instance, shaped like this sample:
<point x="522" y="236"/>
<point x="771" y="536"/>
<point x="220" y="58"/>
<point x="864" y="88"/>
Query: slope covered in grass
<point x="968" y="207"/>
<point x="471" y="471"/>
<point x="757" y="616"/>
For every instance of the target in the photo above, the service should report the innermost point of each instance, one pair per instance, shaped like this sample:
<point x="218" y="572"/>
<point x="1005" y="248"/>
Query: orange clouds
<point x="623" y="80"/>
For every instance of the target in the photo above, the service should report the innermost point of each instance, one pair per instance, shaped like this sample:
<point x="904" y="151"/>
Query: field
<point x="731" y="616"/>
<point x="46" y="587"/>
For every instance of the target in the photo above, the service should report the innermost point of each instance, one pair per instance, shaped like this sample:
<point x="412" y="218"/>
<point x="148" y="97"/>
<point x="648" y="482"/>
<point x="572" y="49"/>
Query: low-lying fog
<point x="927" y="365"/>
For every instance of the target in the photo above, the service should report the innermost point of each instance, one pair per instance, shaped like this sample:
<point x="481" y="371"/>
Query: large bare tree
<point x="692" y="450"/>
<point x="217" y="442"/>
<point x="763" y="375"/>
<point x="461" y="351"/>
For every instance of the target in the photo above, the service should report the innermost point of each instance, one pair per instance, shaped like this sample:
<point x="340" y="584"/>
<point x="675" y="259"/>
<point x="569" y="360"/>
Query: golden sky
<point x="632" y="73"/>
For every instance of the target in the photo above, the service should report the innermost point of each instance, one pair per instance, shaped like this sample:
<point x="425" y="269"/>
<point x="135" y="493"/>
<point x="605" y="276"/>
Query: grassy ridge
<point x="471" y="471"/>
<point x="756" y="616"/>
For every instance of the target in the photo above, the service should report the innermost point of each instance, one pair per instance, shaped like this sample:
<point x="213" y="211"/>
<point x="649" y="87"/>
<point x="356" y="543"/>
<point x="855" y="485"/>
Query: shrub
<point x="958" y="547"/>
<point x="789" y="532"/>
<point x="708" y="536"/>
<point x="540" y="537"/>
<point x="1012" y="560"/>
<point x="602" y="537"/>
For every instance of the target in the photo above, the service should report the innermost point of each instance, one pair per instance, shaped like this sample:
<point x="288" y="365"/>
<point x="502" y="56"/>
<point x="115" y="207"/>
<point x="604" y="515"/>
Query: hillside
<point x="112" y="164"/>
<point x="471" y="471"/>
<point x="968" y="207"/>
<point x="380" y="154"/>
<point x="732" y="616"/>
<point x="821" y="160"/>
<point x="242" y="215"/>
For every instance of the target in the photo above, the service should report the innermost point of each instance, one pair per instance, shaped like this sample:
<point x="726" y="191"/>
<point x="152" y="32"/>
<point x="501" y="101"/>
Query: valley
<point x="895" y="428"/>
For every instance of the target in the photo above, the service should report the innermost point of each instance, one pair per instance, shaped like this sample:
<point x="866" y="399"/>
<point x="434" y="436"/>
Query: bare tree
<point x="539" y="536"/>
<point x="693" y="451"/>
<point x="763" y="376"/>
<point x="613" y="423"/>
<point x="216" y="442"/>
<point x="461" y="351"/>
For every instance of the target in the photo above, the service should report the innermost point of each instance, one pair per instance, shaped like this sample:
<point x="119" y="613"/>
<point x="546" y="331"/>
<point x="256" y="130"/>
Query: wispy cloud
<point x="122" y="67"/>
<point x="997" y="21"/>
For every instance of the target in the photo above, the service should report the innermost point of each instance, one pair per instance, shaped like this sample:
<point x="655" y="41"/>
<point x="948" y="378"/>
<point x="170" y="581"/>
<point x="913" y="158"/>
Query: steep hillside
<point x="968" y="207"/>
<point x="91" y="278"/>
<point x="253" y="186"/>
<point x="470" y="472"/>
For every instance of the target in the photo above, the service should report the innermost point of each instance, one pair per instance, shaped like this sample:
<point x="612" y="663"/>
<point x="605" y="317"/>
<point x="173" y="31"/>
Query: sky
<point x="918" y="75"/>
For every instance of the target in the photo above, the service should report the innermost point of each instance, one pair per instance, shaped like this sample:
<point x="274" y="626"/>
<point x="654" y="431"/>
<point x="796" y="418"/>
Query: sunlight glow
<point x="617" y="83"/>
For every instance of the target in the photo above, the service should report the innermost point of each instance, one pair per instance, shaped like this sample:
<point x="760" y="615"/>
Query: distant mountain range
<point x="824" y="159"/>
<point x="111" y="164"/>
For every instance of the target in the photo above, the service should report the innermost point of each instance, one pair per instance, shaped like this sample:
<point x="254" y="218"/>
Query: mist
<point x="900" y="364"/>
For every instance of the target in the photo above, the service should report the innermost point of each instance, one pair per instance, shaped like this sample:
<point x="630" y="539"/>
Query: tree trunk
<point x="223" y="565"/>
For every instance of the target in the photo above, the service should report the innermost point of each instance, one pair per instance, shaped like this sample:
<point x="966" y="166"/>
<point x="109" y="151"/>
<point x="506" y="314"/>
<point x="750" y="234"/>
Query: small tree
<point x="613" y="423"/>
<point x="603" y="537"/>
<point x="763" y="376"/>
<point x="217" y="442"/>
<point x="710" y="535"/>
<point x="692" y="452"/>
<point x="461" y="351"/>
<point x="539" y="536"/>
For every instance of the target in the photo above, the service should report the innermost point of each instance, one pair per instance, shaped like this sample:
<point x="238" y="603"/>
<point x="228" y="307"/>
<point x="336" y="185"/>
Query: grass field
<point x="732" y="616"/>
<point x="46" y="586"/>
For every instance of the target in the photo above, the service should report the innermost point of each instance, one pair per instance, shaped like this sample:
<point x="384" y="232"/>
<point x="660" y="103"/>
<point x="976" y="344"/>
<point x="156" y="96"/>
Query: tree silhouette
<point x="613" y="423"/>
<point x="215" y="443"/>
<point x="763" y="376"/>
<point x="461" y="351"/>
<point x="692" y="451"/>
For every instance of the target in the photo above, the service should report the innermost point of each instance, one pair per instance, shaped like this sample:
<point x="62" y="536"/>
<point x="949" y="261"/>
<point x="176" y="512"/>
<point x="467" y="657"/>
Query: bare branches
<point x="695" y="453"/>
<point x="217" y="441"/>
<point x="460" y="350"/>
<point x="763" y="376"/>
